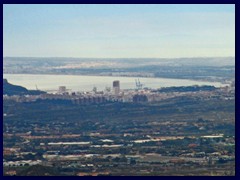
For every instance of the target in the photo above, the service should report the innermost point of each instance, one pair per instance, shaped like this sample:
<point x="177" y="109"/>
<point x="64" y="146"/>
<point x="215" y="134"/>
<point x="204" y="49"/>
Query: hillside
<point x="10" y="89"/>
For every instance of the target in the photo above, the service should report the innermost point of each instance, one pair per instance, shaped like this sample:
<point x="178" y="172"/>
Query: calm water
<point x="86" y="83"/>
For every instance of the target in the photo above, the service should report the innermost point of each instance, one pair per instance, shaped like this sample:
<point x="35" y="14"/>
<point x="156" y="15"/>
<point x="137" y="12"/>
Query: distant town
<point x="139" y="94"/>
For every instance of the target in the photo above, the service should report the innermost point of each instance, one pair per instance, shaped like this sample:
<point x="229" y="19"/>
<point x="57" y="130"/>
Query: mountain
<point x="10" y="89"/>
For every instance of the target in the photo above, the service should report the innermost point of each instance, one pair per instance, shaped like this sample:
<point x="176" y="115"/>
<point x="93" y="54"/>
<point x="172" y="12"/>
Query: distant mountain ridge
<point x="59" y="61"/>
<point x="10" y="89"/>
<point x="205" y="68"/>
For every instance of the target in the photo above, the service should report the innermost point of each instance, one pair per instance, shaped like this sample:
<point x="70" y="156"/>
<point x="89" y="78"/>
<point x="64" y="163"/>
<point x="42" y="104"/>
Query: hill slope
<point x="10" y="89"/>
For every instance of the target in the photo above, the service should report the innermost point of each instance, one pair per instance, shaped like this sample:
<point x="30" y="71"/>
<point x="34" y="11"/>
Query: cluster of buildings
<point x="22" y="163"/>
<point x="118" y="95"/>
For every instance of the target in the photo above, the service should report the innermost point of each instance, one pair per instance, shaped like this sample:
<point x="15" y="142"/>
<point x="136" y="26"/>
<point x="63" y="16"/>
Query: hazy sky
<point x="117" y="31"/>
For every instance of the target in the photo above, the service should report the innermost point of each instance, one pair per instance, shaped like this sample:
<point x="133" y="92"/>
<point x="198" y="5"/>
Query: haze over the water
<point x="86" y="83"/>
<point x="117" y="31"/>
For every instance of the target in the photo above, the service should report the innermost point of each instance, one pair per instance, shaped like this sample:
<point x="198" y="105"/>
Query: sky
<point x="119" y="31"/>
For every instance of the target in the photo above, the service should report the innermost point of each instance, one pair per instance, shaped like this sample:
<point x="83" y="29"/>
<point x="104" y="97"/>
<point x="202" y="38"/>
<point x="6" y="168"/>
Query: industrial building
<point x="62" y="89"/>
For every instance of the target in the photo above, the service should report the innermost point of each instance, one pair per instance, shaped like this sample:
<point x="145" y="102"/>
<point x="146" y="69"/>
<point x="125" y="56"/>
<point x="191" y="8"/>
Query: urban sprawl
<point x="142" y="131"/>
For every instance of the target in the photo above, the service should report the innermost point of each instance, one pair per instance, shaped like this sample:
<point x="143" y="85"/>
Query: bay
<point x="86" y="83"/>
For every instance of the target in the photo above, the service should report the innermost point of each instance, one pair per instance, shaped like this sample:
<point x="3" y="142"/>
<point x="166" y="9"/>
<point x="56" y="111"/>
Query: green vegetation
<point x="38" y="170"/>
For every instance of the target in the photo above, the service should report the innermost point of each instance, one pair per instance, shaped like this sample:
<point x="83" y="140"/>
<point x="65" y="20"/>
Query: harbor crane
<point x="139" y="85"/>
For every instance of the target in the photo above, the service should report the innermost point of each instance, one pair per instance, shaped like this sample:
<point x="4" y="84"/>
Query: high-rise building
<point x="116" y="87"/>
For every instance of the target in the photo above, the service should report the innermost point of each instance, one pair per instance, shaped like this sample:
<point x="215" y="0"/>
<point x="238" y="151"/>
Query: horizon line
<point x="118" y="57"/>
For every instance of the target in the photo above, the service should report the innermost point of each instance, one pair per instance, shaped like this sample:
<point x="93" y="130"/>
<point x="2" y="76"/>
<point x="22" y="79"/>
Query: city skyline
<point x="119" y="31"/>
